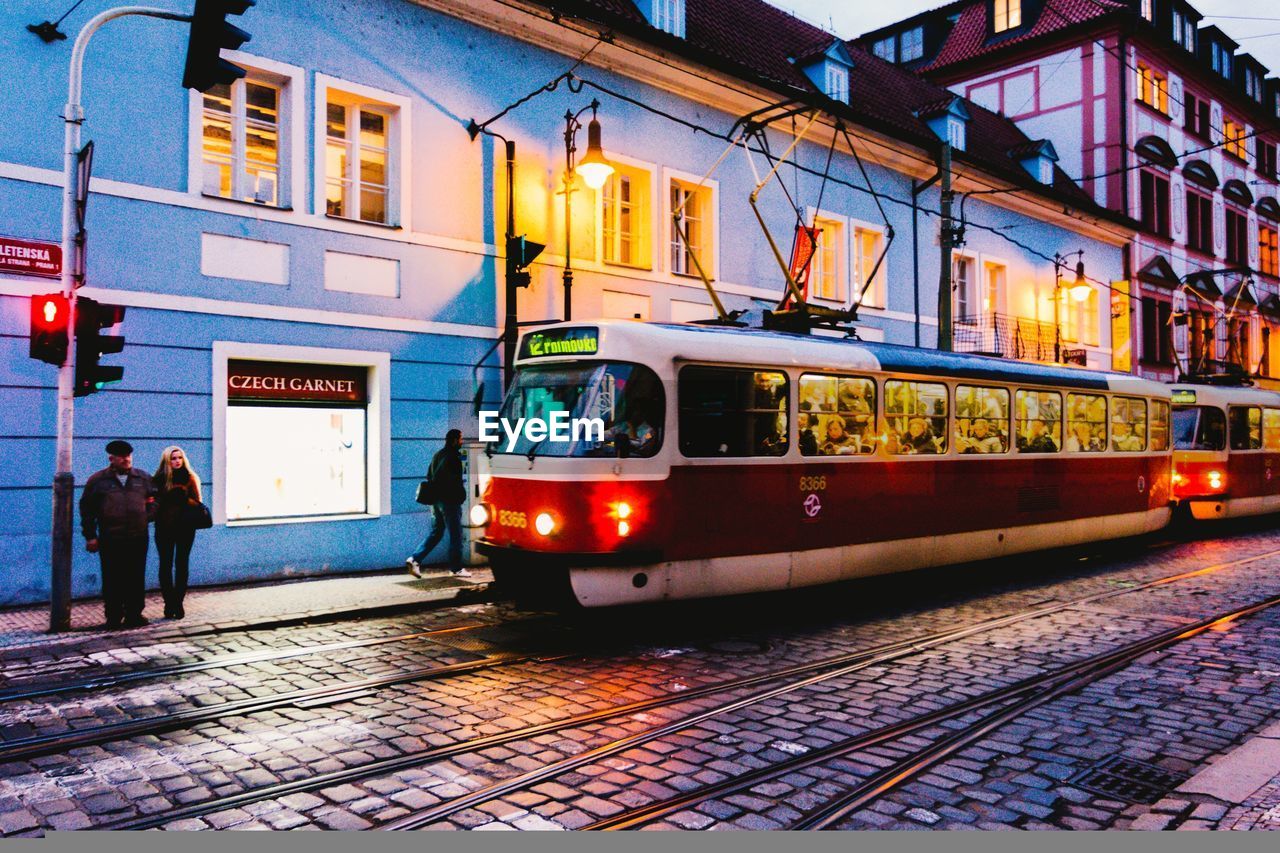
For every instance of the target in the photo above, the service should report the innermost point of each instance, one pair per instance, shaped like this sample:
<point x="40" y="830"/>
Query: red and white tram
<point x="1226" y="450"/>
<point x="738" y="460"/>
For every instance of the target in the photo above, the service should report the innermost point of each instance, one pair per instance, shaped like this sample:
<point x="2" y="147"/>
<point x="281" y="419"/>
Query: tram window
<point x="1128" y="424"/>
<point x="982" y="419"/>
<point x="1086" y="423"/>
<point x="1199" y="428"/>
<point x="1038" y="421"/>
<point x="1246" y="427"/>
<point x="837" y="415"/>
<point x="732" y="412"/>
<point x="916" y="415"/>
<point x="1160" y="425"/>
<point x="1271" y="429"/>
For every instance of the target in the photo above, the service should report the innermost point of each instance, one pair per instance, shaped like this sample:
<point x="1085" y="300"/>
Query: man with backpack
<point x="446" y="493"/>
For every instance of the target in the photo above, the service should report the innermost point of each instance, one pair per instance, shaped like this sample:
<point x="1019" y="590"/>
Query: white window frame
<point x="652" y="202"/>
<point x="837" y="82"/>
<point x="842" y="258"/>
<point x="995" y="304"/>
<point x="291" y="147"/>
<point x="1012" y="15"/>
<point x="877" y="298"/>
<point x="956" y="132"/>
<point x="973" y="293"/>
<point x="377" y="423"/>
<point x="669" y="16"/>
<point x="399" y="155"/>
<point x="712" y="218"/>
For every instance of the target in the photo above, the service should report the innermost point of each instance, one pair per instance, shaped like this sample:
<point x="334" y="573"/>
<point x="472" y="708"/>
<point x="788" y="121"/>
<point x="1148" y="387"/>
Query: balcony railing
<point x="1007" y="337"/>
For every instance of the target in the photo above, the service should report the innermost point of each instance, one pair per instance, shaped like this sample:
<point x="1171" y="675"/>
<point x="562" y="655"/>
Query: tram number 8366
<point x="510" y="518"/>
<point x="813" y="484"/>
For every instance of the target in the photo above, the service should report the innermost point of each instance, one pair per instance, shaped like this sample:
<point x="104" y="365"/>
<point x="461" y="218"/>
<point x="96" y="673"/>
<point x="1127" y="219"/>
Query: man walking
<point x="115" y="508"/>
<point x="445" y="476"/>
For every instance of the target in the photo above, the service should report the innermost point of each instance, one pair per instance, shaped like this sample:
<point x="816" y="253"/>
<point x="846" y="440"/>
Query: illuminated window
<point x="240" y="140"/>
<point x="1268" y="251"/>
<point x="826" y="270"/>
<point x="1245" y="427"/>
<point x="837" y="415"/>
<point x="1038" y="421"/>
<point x="1233" y="137"/>
<point x="624" y="204"/>
<point x="358" y="158"/>
<point x="1079" y="317"/>
<point x="1148" y="10"/>
<point x="1007" y="14"/>
<point x="1086" y="423"/>
<point x="982" y="419"/>
<point x="868" y="243"/>
<point x="1160" y="425"/>
<point x="691" y="228"/>
<point x="1153" y="89"/>
<point x="1128" y="424"/>
<point x="732" y="412"/>
<point x="915" y="417"/>
<point x="993" y="295"/>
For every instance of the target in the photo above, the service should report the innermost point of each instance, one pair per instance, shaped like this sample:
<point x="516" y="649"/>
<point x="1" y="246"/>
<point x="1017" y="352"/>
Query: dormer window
<point x="1253" y="85"/>
<point x="886" y="49"/>
<point x="1220" y="60"/>
<point x="837" y="85"/>
<point x="1148" y="10"/>
<point x="956" y="132"/>
<point x="1037" y="158"/>
<point x="1005" y="15"/>
<point x="948" y="119"/>
<point x="912" y="44"/>
<point x="1184" y="31"/>
<point x="667" y="15"/>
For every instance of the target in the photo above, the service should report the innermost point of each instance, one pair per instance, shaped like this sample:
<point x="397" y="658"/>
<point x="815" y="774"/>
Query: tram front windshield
<point x="626" y="398"/>
<point x="1199" y="428"/>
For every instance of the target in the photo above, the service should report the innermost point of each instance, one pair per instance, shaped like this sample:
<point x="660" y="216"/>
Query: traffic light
<point x="49" y="315"/>
<point x="91" y="345"/>
<point x="520" y="253"/>
<point x="210" y="34"/>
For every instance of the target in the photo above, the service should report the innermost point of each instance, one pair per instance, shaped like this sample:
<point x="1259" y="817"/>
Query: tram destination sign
<point x="1181" y="396"/>
<point x="577" y="340"/>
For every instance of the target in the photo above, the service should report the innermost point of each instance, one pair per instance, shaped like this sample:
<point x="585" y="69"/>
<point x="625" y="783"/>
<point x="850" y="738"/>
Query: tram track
<point x="807" y="673"/>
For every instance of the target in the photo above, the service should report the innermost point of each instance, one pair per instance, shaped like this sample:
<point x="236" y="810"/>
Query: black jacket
<point x="445" y="472"/>
<point x="109" y="510"/>
<point x="172" y="503"/>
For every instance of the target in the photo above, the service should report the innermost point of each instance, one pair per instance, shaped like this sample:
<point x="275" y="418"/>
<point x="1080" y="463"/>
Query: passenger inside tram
<point x="838" y="442"/>
<point x="1122" y="437"/>
<point x="1083" y="440"/>
<point x="979" y="438"/>
<point x="1039" y="421"/>
<point x="840" y="412"/>
<point x="917" y="417"/>
<point x="982" y="419"/>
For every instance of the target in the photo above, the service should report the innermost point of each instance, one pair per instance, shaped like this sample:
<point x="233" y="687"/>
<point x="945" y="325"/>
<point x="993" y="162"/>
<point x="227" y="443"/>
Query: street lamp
<point x="595" y="170"/>
<point x="1080" y="292"/>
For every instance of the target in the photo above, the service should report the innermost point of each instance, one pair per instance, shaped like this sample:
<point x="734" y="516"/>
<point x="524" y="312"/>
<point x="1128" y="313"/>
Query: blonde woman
<point x="178" y="490"/>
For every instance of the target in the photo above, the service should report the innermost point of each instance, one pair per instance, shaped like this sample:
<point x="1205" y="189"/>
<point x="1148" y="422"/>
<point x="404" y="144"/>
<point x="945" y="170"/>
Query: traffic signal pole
<point x="64" y="483"/>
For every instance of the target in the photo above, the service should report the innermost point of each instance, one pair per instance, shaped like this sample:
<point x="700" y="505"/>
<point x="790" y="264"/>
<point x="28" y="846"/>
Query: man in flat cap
<point x="115" y="508"/>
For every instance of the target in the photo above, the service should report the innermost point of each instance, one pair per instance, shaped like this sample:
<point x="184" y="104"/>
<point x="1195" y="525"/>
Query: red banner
<point x="29" y="257"/>
<point x="289" y="381"/>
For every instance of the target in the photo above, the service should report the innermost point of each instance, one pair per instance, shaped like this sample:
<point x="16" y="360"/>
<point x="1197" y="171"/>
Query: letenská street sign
<point x="29" y="257"/>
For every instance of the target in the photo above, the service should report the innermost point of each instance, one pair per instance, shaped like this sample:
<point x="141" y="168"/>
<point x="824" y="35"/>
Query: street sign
<point x="30" y="257"/>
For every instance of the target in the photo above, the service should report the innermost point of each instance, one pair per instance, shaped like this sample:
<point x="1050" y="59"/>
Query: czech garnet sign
<point x="279" y="380"/>
<point x="29" y="257"/>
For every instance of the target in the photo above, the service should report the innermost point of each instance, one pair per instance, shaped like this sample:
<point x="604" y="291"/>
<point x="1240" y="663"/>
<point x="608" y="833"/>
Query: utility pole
<point x="510" y="328"/>
<point x="64" y="482"/>
<point x="947" y="240"/>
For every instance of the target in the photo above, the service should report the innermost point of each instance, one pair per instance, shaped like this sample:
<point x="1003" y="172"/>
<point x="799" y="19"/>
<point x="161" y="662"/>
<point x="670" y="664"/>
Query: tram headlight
<point x="1178" y="479"/>
<point x="479" y="515"/>
<point x="624" y="528"/>
<point x="1216" y="480"/>
<point x="544" y="524"/>
<point x="623" y="510"/>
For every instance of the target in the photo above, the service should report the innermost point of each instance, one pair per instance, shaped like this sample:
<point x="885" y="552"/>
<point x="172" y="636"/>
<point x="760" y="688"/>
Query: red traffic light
<point x="49" y="314"/>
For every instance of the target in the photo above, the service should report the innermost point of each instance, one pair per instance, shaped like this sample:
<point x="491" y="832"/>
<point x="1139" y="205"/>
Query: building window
<point x="956" y="132"/>
<point x="1237" y="237"/>
<point x="837" y="82"/>
<point x="1007" y="14"/>
<point x="912" y="44"/>
<point x="1178" y="20"/>
<point x="1253" y="85"/>
<point x="1199" y="223"/>
<point x="993" y="294"/>
<point x="826" y="271"/>
<point x="323" y="409"/>
<point x="359" y="158"/>
<point x="1268" y="257"/>
<point x="1155" y="203"/>
<point x="691" y="228"/>
<point x="624" y="202"/>
<point x="1267" y="159"/>
<point x="1197" y="121"/>
<point x="1153" y="89"/>
<point x="668" y="16"/>
<point x="1079" y="318"/>
<point x="1220" y="60"/>
<point x="886" y="49"/>
<point x="1156" y="340"/>
<point x="1189" y="35"/>
<point x="1148" y="10"/>
<point x="241" y="133"/>
<point x="868" y="243"/>
<point x="963" y="285"/>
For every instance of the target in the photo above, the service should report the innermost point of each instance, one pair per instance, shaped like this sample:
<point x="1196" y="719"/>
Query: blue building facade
<point x="311" y="259"/>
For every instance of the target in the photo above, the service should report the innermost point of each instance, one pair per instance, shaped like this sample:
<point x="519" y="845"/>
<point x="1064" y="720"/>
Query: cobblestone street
<point x="1125" y="686"/>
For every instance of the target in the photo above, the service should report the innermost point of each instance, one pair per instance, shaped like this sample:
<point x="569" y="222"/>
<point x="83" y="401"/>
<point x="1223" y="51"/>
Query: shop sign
<point x="296" y="381"/>
<point x="30" y="257"/>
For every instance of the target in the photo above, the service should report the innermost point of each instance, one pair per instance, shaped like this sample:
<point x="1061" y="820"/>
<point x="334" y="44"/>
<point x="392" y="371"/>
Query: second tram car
<point x="737" y="461"/>
<point x="1226" y="447"/>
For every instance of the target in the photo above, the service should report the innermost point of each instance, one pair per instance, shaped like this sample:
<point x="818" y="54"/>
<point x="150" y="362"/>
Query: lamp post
<point x="1080" y="291"/>
<point x="595" y="170"/>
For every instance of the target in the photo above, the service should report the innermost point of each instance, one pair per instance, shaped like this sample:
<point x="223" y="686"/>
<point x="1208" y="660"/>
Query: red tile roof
<point x="971" y="37"/>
